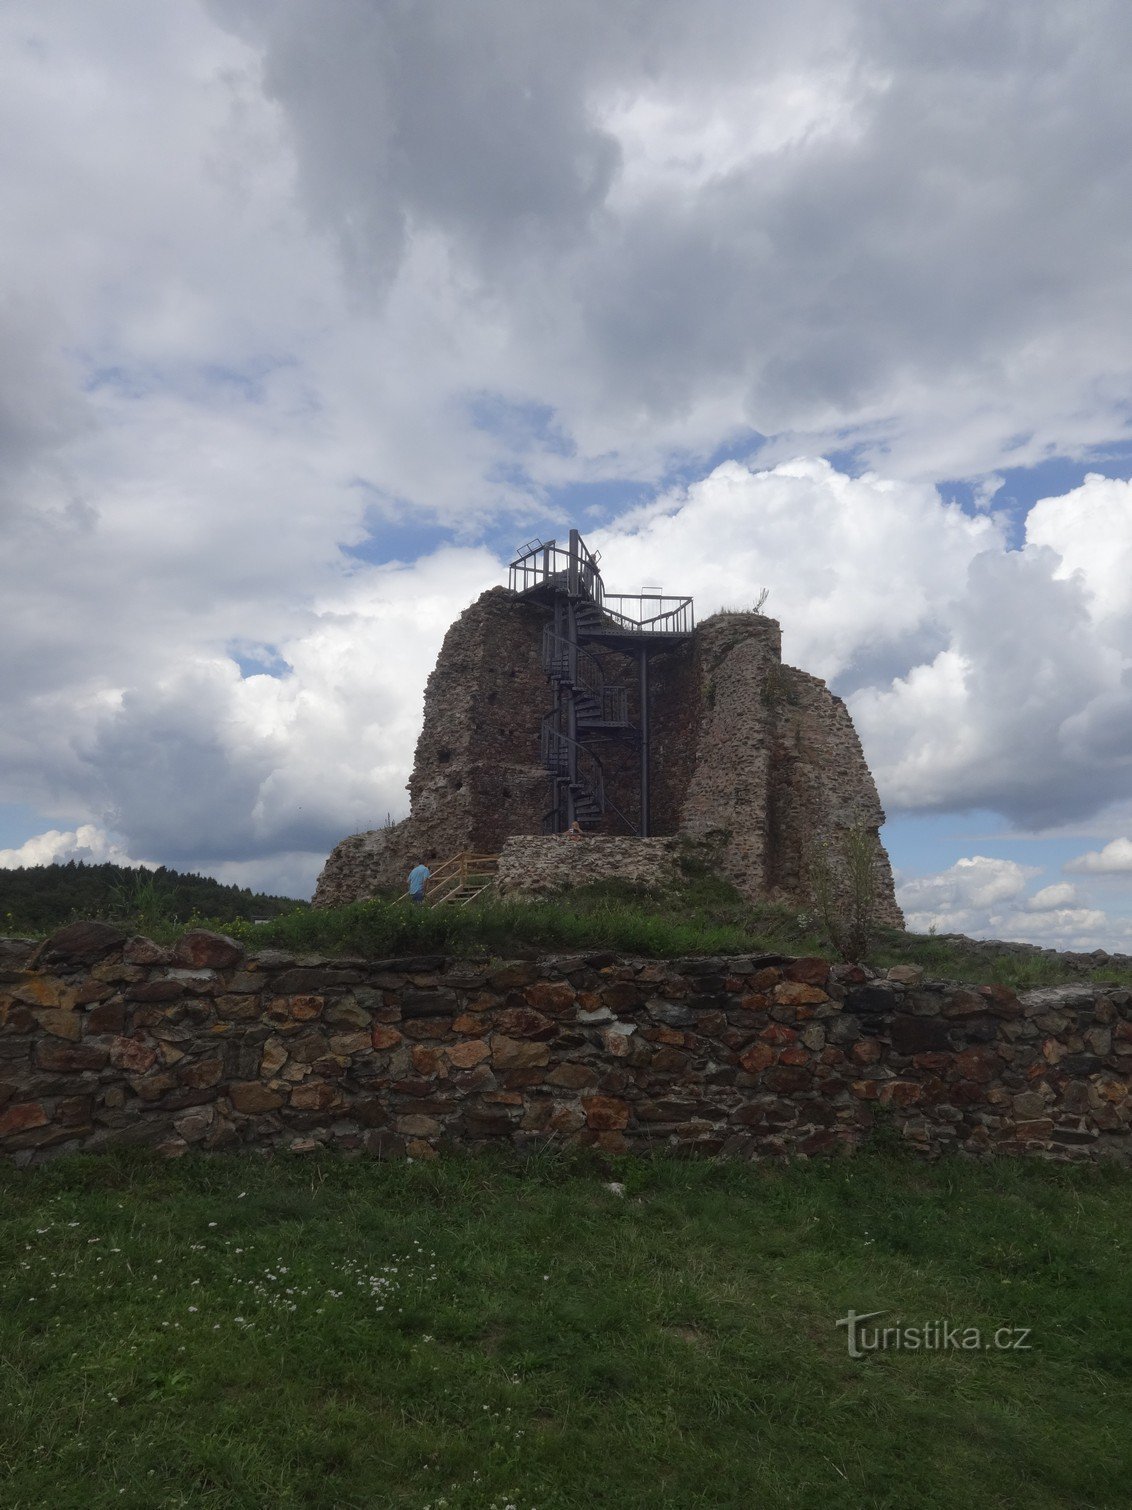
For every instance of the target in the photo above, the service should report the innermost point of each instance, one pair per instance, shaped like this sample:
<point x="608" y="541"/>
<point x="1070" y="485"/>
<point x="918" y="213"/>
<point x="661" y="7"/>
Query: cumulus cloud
<point x="797" y="219"/>
<point x="986" y="898"/>
<point x="1025" y="708"/>
<point x="1114" y="859"/>
<point x="87" y="843"/>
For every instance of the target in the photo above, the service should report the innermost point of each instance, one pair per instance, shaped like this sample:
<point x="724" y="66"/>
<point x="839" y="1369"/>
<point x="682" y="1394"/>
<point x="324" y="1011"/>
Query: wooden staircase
<point x="458" y="881"/>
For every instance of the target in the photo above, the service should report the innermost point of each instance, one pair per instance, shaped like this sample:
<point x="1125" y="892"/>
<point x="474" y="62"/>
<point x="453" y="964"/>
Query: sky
<point x="304" y="328"/>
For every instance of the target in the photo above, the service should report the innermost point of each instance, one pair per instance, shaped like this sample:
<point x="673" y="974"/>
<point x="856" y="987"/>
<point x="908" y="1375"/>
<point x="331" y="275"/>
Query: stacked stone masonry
<point x="749" y="755"/>
<point x="107" y="1040"/>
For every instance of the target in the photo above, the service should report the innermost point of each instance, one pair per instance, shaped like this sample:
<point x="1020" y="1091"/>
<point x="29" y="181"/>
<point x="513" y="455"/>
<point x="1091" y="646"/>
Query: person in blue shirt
<point x="417" y="878"/>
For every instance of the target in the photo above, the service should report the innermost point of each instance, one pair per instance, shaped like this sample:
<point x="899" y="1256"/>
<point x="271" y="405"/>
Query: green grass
<point x="703" y="915"/>
<point x="243" y="1332"/>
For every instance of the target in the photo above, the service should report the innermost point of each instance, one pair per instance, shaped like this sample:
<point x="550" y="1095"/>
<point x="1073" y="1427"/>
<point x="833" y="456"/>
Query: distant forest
<point x="36" y="897"/>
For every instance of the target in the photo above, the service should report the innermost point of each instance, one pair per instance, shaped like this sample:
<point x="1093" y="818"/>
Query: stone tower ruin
<point x="554" y="702"/>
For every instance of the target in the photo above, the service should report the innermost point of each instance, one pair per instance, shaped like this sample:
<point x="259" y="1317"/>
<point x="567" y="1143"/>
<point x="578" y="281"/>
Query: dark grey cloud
<point x="947" y="226"/>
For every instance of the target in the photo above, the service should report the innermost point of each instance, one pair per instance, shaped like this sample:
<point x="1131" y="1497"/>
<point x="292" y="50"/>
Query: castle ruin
<point x="554" y="702"/>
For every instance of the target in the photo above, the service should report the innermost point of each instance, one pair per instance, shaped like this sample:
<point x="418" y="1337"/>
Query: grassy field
<point x="239" y="1332"/>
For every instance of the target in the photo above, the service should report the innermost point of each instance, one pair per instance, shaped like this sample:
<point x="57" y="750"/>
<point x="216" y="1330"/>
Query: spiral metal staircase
<point x="588" y="708"/>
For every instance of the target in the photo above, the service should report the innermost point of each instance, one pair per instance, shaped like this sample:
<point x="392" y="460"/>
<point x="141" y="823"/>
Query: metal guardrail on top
<point x="643" y="613"/>
<point x="546" y="563"/>
<point x="540" y="562"/>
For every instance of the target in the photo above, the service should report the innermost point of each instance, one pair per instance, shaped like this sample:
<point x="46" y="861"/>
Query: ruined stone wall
<point x="542" y="866"/>
<point x="477" y="776"/>
<point x="107" y="1041"/>
<point x="737" y="655"/>
<point x="757" y="755"/>
<point x="820" y="790"/>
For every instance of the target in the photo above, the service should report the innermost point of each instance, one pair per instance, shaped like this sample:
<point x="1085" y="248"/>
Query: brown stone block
<point x="980" y="1065"/>
<point x="866" y="1090"/>
<point x="297" y="1009"/>
<point x="477" y="1079"/>
<point x="252" y="1096"/>
<point x="106" y="1017"/>
<point x="201" y="1073"/>
<point x="932" y="1061"/>
<point x="467" y="1022"/>
<point x="668" y="1061"/>
<point x="777" y="1032"/>
<point x="517" y="1053"/>
<point x="73" y="1111"/>
<point x="514" y="1080"/>
<point x="571" y="1075"/>
<point x="467" y="1054"/>
<point x="766" y="978"/>
<point x="45" y="991"/>
<point x="808" y="971"/>
<point x="60" y="1056"/>
<point x="129" y="1054"/>
<point x="964" y="1004"/>
<point x="427" y="1027"/>
<point x="308" y="1046"/>
<point x="620" y="996"/>
<point x="238" y="1007"/>
<point x="426" y="1061"/>
<point x="865" y="1051"/>
<point x="60" y="1022"/>
<point x="516" y="975"/>
<point x="565" y="1119"/>
<point x="796" y="994"/>
<point x="604" y="1113"/>
<point x="900" y="1093"/>
<point x="15" y="1017"/>
<point x="612" y="1142"/>
<point x="84" y="942"/>
<point x="143" y="951"/>
<point x="152" y="1087"/>
<point x="524" y="1022"/>
<point x="315" y="1096"/>
<point x="758" y="1057"/>
<point x="118" y="974"/>
<point x="91" y="991"/>
<point x="384" y="1037"/>
<point x="794" y="1055"/>
<point x="20" y="1116"/>
<point x="554" y="996"/>
<point x="206" y="950"/>
<point x="417" y="1125"/>
<point x="754" y="1001"/>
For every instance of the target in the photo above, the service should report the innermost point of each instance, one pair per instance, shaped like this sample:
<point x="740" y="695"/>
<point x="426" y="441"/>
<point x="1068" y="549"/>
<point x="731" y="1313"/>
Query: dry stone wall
<point x="107" y="1040"/>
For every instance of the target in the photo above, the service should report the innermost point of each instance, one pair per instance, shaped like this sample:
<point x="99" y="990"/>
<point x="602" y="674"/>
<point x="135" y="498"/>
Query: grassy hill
<point x="37" y="898"/>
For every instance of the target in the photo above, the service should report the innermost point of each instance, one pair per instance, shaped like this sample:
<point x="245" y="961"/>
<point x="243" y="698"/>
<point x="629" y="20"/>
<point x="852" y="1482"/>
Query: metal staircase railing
<point x="597" y="703"/>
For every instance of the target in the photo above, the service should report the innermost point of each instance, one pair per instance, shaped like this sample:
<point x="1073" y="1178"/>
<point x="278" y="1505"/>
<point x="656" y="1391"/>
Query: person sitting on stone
<point x="575" y="831"/>
<point x="418" y="876"/>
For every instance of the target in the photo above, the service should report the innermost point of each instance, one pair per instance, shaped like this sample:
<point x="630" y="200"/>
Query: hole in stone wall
<point x="444" y="756"/>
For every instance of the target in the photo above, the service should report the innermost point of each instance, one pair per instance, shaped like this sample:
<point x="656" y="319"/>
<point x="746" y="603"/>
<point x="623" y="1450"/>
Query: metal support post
<point x="643" y="654"/>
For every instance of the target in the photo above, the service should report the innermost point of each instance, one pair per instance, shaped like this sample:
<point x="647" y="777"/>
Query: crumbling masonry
<point x="552" y="702"/>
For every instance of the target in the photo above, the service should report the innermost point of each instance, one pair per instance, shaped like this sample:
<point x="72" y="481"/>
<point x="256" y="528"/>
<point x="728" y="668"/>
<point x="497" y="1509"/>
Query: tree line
<point x="38" y="897"/>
